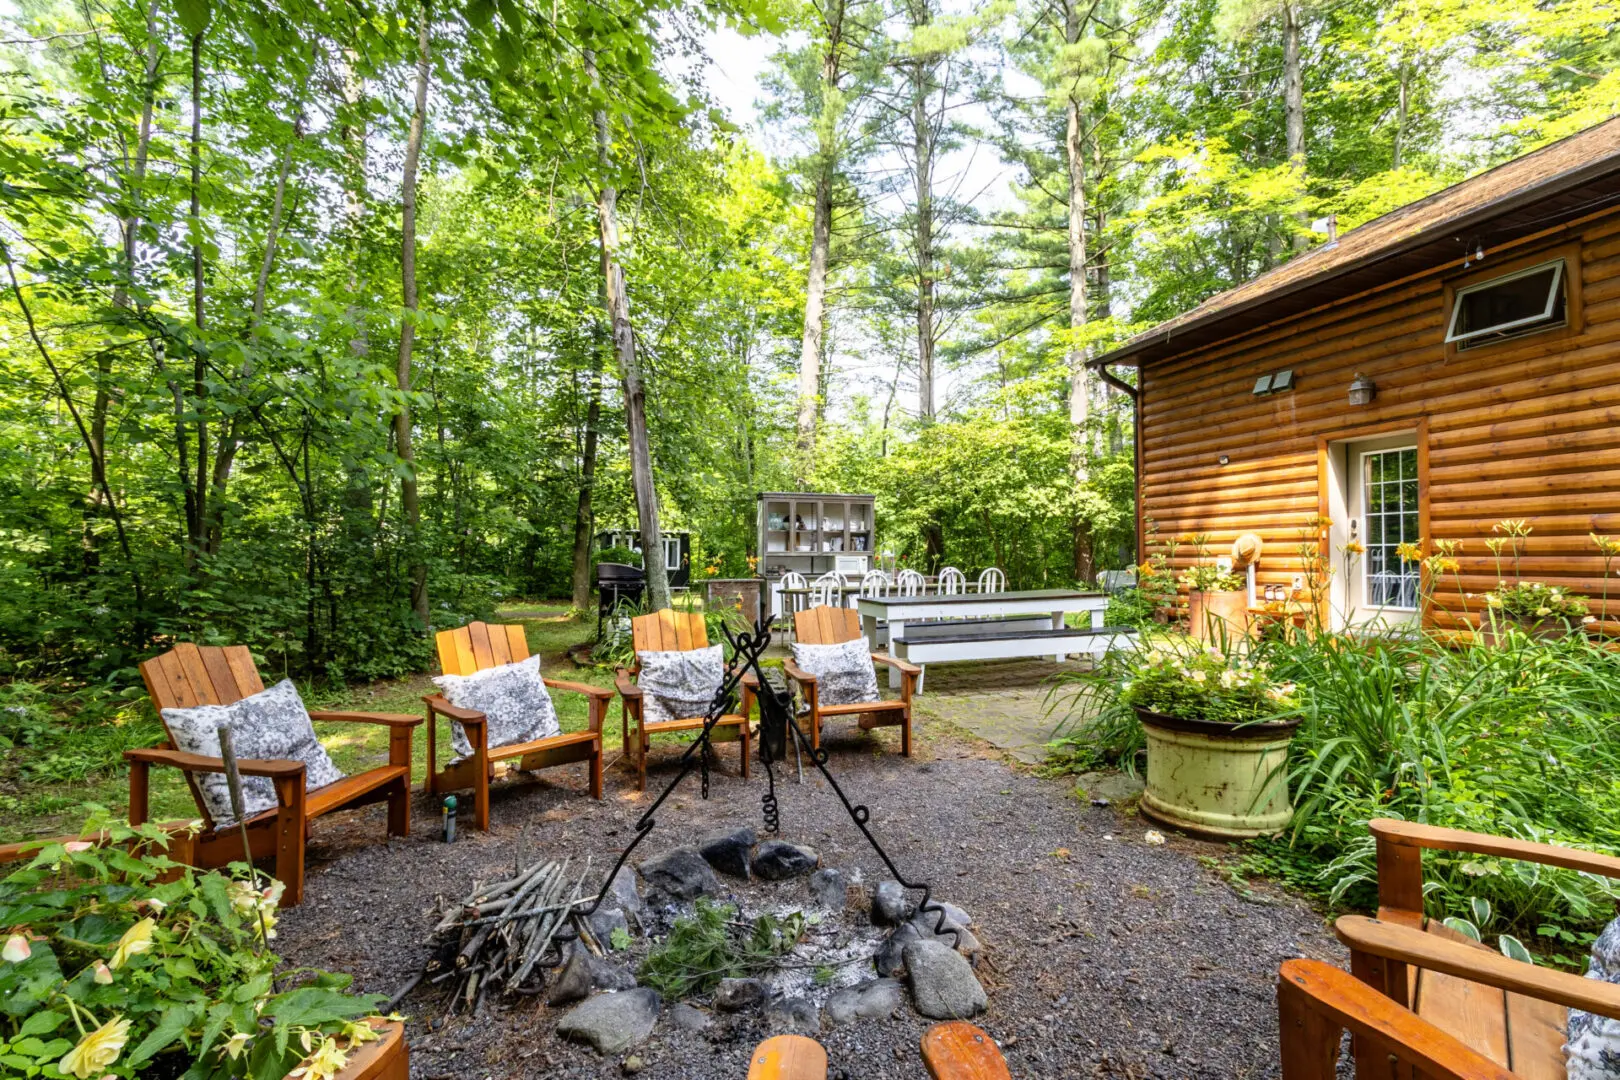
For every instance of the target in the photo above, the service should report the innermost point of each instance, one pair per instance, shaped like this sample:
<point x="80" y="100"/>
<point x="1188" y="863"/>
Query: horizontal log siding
<point x="1526" y="430"/>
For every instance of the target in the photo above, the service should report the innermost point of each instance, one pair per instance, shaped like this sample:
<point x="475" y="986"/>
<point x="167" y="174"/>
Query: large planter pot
<point x="1214" y="616"/>
<point x="1217" y="780"/>
<point x="388" y="1058"/>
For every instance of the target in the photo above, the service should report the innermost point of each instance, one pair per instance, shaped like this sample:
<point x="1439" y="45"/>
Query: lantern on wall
<point x="1362" y="390"/>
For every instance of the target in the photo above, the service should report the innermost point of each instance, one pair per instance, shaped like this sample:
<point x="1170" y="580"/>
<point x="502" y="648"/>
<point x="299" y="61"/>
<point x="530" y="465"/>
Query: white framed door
<point x="1374" y="502"/>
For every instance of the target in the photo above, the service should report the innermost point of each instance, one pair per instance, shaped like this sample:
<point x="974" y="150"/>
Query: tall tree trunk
<point x="357" y="501"/>
<point x="196" y="490"/>
<point x="585" y="514"/>
<point x="624" y="348"/>
<point x="1080" y="377"/>
<point x="923" y="148"/>
<point x="1294" y="106"/>
<point x="410" y="504"/>
<point x="1397" y="151"/>
<point x="815" y="291"/>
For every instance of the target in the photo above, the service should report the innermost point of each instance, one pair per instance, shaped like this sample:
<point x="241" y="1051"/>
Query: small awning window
<point x="1518" y="303"/>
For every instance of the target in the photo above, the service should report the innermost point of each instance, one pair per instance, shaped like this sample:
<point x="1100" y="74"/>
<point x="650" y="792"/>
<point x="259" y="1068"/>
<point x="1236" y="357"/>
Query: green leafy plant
<point x="1207" y="577"/>
<point x="711" y="944"/>
<point x="120" y="962"/>
<point x="1193" y="683"/>
<point x="1534" y="603"/>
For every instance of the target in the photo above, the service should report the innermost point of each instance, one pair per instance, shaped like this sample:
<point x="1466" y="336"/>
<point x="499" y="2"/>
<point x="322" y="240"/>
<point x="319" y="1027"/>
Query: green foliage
<point x="111" y="970"/>
<point x="1535" y="603"/>
<point x="711" y="944"/>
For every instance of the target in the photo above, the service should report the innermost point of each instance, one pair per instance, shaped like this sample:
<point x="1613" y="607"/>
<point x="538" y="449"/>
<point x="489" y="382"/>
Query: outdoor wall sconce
<point x="1362" y="390"/>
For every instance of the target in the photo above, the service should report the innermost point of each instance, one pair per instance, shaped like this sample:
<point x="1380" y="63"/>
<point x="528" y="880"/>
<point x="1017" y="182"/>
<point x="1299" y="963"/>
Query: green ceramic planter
<point x="1217" y="780"/>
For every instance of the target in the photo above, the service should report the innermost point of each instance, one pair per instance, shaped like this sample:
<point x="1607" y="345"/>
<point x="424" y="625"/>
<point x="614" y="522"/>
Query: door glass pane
<point x="1390" y="494"/>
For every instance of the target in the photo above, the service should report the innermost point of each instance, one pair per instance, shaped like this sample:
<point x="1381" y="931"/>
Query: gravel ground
<point x="1104" y="956"/>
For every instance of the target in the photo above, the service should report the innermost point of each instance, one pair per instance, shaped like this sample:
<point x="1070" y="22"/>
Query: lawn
<point x="43" y="791"/>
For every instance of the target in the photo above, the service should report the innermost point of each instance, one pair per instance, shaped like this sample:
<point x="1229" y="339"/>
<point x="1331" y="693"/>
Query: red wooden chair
<point x="478" y="646"/>
<point x="191" y="675"/>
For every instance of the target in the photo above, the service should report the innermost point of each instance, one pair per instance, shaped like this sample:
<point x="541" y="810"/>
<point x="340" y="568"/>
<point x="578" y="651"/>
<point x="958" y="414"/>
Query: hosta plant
<point x="119" y="962"/>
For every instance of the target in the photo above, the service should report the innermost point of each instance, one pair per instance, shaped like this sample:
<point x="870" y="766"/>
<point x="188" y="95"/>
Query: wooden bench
<point x="941" y="647"/>
<point x="1427" y="996"/>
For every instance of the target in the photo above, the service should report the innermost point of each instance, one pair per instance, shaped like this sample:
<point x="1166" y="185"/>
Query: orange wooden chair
<point x="191" y="675"/>
<point x="788" y="1057"/>
<point x="834" y="626"/>
<point x="1423" y="996"/>
<point x="673" y="631"/>
<point x="478" y="646"/>
<point x="960" y="1051"/>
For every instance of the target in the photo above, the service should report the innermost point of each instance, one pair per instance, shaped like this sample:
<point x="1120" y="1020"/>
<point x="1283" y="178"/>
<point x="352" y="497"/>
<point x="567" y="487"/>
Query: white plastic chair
<point x="952" y="582"/>
<point x="911" y="583"/>
<point x="875" y="583"/>
<point x="791" y="604"/>
<point x="826" y="591"/>
<point x="992" y="581"/>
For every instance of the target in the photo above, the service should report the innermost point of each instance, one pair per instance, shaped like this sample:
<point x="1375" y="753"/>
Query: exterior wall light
<point x="1362" y="390"/>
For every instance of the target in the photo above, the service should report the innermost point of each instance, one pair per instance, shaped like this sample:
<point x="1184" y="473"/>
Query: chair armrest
<point x="437" y="703"/>
<point x="279" y="767"/>
<point x="798" y="674"/>
<point x="750" y="680"/>
<point x="904" y="666"/>
<point x="1310" y="986"/>
<point x="627" y="689"/>
<point x="1412" y="834"/>
<point x="395" y="720"/>
<point x="602" y="692"/>
<point x="1408" y="945"/>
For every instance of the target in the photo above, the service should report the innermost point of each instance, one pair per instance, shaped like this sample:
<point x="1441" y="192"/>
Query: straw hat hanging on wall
<point x="1246" y="550"/>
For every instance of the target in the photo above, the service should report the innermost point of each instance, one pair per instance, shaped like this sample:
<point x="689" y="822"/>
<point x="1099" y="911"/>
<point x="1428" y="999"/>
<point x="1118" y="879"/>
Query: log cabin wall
<point x="1523" y="428"/>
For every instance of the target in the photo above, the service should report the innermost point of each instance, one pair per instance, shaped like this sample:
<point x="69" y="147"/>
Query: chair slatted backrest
<point x="189" y="675"/>
<point x="827" y="625"/>
<point x="669" y="631"/>
<point x="992" y="581"/>
<point x="911" y="583"/>
<point x="478" y="645"/>
<point x="874" y="583"/>
<point x="952" y="581"/>
<point x="794" y="580"/>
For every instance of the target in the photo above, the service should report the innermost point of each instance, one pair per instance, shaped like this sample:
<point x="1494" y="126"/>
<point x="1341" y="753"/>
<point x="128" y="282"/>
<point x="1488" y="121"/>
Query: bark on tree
<point x="358" y="521"/>
<point x="585" y="514"/>
<point x="923" y="151"/>
<point x="410" y="504"/>
<point x="624" y="349"/>
<point x="1294" y="105"/>
<point x="1080" y="377"/>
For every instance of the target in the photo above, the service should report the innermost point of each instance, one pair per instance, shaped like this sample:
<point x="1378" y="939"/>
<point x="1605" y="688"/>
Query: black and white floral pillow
<point x="513" y="699"/>
<point x="679" y="685"/>
<point x="844" y="672"/>
<point x="1593" y="1047"/>
<point x="272" y="724"/>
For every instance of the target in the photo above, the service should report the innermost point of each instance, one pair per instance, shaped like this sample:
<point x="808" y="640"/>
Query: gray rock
<point x="728" y="850"/>
<point x="624" y="891"/>
<point x="962" y="939"/>
<point x="889" y="905"/>
<point x="581" y="973"/>
<point x="603" y="921"/>
<point x="828" y="889"/>
<point x="943" y="986"/>
<point x="1115" y="787"/>
<point x="737" y="995"/>
<point x="684" y="1017"/>
<point x="680" y="874"/>
<point x="613" y="1022"/>
<point x="792" y="1015"/>
<point x="874" y="999"/>
<point x="890" y="958"/>
<point x="778" y="860"/>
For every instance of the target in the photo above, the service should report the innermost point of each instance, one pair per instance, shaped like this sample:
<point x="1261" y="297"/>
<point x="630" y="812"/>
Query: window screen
<point x="1518" y="303"/>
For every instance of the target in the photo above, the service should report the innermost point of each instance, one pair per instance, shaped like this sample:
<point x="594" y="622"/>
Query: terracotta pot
<point x="1214" y="616"/>
<point x="1221" y="781"/>
<point x="389" y="1058"/>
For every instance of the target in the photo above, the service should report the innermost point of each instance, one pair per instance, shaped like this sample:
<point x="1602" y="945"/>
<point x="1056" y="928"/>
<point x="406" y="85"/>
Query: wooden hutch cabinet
<point x="813" y="532"/>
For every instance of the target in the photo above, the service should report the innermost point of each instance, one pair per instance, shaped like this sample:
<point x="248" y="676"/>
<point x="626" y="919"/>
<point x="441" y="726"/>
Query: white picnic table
<point x="900" y="610"/>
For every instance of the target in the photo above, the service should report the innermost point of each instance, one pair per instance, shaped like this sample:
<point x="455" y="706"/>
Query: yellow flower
<point x="97" y="1050"/>
<point x="1606" y="545"/>
<point x="1544" y="611"/>
<point x="1447" y="565"/>
<point x="1409" y="552"/>
<point x="136" y="940"/>
<point x="360" y="1032"/>
<point x="235" y="1045"/>
<point x="323" y="1064"/>
<point x="1354" y="547"/>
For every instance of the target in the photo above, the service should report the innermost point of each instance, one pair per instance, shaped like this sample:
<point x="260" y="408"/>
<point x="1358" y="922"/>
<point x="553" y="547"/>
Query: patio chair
<point x="791" y="604"/>
<point x="827" y="590"/>
<point x="477" y="647"/>
<point x="911" y="583"/>
<point x="788" y="1057"/>
<point x="875" y="583"/>
<point x="1425" y="996"/>
<point x="960" y="1051"/>
<point x="190" y="675"/>
<point x="828" y="625"/>
<point x="952" y="582"/>
<point x="992" y="580"/>
<point x="673" y="631"/>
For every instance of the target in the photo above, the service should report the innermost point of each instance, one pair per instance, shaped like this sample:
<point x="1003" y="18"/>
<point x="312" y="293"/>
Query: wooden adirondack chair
<point x="788" y="1057"/>
<point x="960" y="1051"/>
<point x="475" y="647"/>
<point x="834" y="626"/>
<point x="190" y="675"/>
<point x="1425" y="997"/>
<point x="673" y="631"/>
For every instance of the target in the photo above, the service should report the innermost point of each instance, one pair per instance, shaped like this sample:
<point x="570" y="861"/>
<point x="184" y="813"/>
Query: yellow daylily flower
<point x="136" y="940"/>
<point x="97" y="1050"/>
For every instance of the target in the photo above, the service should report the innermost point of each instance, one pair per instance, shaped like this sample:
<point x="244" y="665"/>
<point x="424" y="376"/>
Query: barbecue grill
<point x="616" y="583"/>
